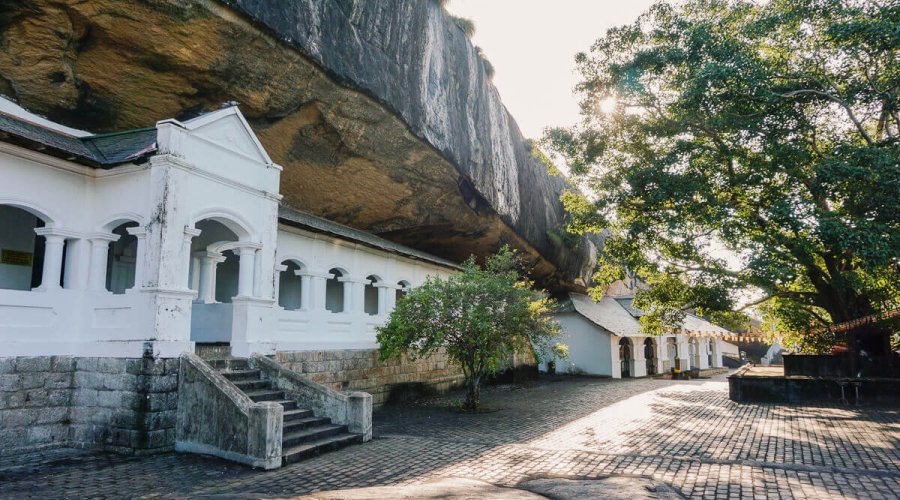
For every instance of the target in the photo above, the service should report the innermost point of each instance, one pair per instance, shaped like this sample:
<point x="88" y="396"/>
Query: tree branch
<point x="859" y="127"/>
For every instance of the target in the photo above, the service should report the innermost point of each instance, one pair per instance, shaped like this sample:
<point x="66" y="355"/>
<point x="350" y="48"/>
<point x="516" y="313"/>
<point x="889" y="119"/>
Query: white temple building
<point x="151" y="240"/>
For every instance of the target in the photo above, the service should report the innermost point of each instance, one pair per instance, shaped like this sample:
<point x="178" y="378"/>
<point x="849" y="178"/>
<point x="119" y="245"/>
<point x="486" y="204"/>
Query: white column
<point x="140" y="233"/>
<point x="717" y="353"/>
<point x="246" y="271"/>
<point x="317" y="289"/>
<point x="280" y="268"/>
<point x="206" y="293"/>
<point x="99" y="255"/>
<point x="382" y="299"/>
<point x="639" y="360"/>
<point x="391" y="296"/>
<point x="189" y="234"/>
<point x="614" y="364"/>
<point x="305" y="289"/>
<point x="53" y="254"/>
<point x="683" y="352"/>
<point x="77" y="263"/>
<point x="387" y="297"/>
<point x="354" y="293"/>
<point x="661" y="354"/>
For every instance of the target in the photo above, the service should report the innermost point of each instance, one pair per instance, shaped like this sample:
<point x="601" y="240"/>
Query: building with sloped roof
<point x="605" y="339"/>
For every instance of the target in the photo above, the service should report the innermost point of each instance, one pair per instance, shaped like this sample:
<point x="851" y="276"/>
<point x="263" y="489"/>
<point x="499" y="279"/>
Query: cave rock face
<point x="380" y="111"/>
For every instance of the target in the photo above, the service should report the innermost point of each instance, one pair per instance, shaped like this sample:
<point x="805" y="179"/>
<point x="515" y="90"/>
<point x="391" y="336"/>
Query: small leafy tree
<point x="479" y="317"/>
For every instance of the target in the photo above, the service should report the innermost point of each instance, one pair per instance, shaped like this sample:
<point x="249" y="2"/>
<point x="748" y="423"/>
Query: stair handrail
<point x="352" y="409"/>
<point x="254" y="439"/>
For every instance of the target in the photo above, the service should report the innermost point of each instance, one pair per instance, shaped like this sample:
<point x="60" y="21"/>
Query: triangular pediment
<point x="228" y="129"/>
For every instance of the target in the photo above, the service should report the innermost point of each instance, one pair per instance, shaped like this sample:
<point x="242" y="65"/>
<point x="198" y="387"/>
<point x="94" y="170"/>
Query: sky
<point x="532" y="45"/>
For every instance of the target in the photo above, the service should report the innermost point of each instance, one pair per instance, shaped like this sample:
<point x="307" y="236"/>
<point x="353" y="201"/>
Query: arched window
<point x="290" y="286"/>
<point x="371" y="295"/>
<point x="402" y="288"/>
<point x="21" y="250"/>
<point x="625" y="357"/>
<point x="334" y="291"/>
<point x="121" y="262"/>
<point x="650" y="356"/>
<point x="214" y="275"/>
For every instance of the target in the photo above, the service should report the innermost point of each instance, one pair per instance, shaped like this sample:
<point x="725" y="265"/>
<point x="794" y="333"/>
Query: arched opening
<point x="625" y="358"/>
<point x="121" y="262"/>
<point x="213" y="274"/>
<point x="371" y="302"/>
<point x="334" y="291"/>
<point x="21" y="249"/>
<point x="650" y="356"/>
<point x="402" y="289"/>
<point x="290" y="286"/>
<point x="709" y="352"/>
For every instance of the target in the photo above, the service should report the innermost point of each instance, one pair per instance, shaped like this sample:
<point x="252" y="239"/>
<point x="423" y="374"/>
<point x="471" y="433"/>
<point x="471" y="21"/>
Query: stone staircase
<point x="304" y="434"/>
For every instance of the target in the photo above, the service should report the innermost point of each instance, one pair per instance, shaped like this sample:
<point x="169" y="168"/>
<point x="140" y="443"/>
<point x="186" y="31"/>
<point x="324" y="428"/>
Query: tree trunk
<point x="473" y="393"/>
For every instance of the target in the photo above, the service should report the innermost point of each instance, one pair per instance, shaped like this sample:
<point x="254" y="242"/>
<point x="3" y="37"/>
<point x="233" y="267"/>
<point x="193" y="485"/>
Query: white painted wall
<point x="314" y="327"/>
<point x="589" y="347"/>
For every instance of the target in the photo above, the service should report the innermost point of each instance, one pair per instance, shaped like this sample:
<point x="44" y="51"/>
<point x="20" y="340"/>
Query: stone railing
<point x="216" y="418"/>
<point x="353" y="410"/>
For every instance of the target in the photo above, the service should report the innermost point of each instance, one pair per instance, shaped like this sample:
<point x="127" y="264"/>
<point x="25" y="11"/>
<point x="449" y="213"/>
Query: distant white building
<point x="604" y="339"/>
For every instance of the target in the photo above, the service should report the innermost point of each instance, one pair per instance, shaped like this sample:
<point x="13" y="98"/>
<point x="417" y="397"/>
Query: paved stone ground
<point x="688" y="435"/>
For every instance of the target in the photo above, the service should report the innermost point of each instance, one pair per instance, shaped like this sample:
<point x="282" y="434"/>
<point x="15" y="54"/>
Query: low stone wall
<point x="361" y="370"/>
<point x="125" y="405"/>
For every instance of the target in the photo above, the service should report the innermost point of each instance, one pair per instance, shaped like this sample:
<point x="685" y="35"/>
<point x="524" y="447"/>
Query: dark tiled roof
<point x="104" y="150"/>
<point x="304" y="220"/>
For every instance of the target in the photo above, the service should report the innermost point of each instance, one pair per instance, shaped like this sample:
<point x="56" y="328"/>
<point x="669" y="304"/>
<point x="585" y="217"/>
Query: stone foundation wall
<point x="360" y="370"/>
<point x="126" y="405"/>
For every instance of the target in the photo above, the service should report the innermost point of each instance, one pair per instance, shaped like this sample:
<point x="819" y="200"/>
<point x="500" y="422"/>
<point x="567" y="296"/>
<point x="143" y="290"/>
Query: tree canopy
<point x="752" y="151"/>
<point x="479" y="317"/>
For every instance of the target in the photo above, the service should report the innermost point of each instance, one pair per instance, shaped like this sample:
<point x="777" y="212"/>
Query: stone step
<point x="294" y="413"/>
<point x="312" y="448"/>
<point x="311" y="434"/>
<point x="235" y="375"/>
<point x="212" y="350"/>
<point x="298" y="424"/>
<point x="252" y="385"/>
<point x="231" y="364"/>
<point x="266" y="395"/>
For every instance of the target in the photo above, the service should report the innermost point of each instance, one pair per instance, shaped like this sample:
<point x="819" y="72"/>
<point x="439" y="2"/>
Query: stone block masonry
<point x="120" y="404"/>
<point x="361" y="370"/>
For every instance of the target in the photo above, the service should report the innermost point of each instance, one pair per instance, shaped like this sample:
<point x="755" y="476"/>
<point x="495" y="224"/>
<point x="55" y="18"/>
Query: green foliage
<point x="768" y="130"/>
<point x="466" y="25"/>
<point x="479" y="317"/>
<point x="485" y="63"/>
<point x="534" y="148"/>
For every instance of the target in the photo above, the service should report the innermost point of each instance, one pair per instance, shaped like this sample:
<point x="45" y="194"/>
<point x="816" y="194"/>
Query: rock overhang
<point x="380" y="112"/>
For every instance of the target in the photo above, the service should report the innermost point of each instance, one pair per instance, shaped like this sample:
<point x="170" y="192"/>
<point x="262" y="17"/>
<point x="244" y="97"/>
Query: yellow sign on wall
<point x="16" y="258"/>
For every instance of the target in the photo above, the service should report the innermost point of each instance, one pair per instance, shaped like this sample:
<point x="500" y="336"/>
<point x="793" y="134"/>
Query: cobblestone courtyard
<point x="686" y="434"/>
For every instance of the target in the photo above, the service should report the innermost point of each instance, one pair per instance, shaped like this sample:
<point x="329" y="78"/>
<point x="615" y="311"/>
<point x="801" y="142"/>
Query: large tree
<point x="737" y="148"/>
<point x="478" y="317"/>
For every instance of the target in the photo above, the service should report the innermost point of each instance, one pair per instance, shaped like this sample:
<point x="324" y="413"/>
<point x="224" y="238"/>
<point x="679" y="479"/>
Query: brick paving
<point x="686" y="434"/>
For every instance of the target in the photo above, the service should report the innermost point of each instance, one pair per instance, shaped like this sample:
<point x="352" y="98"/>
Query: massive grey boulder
<point x="379" y="110"/>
